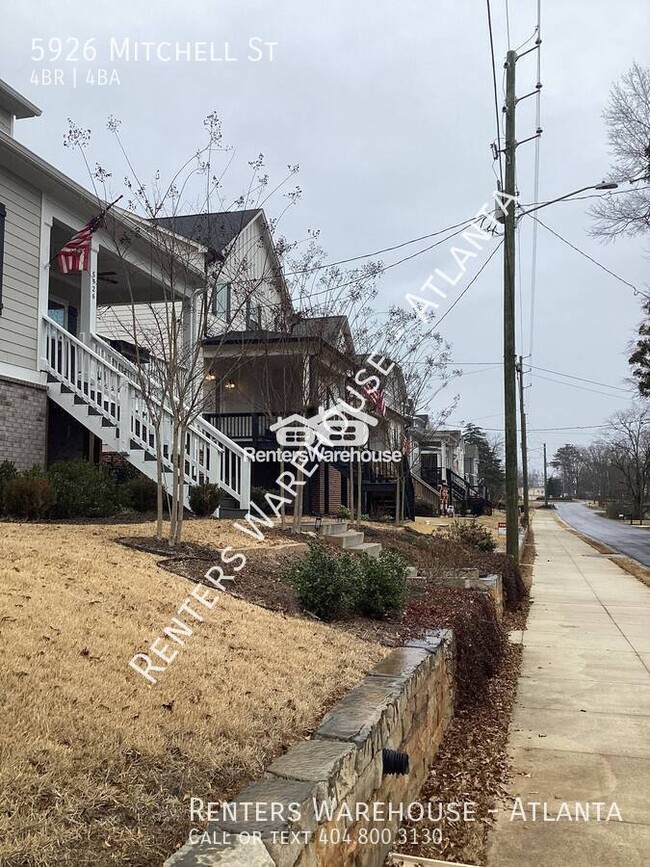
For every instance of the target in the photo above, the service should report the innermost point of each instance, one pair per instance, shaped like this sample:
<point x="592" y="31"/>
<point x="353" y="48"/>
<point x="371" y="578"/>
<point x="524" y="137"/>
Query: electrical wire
<point x="496" y="98"/>
<point x="582" y="379"/>
<point x="536" y="174"/>
<point x="636" y="290"/>
<point x="464" y="224"/>
<point x="382" y="269"/>
<point x="582" y="387"/>
<point x="471" y="283"/>
<point x="508" y="25"/>
<point x="548" y="429"/>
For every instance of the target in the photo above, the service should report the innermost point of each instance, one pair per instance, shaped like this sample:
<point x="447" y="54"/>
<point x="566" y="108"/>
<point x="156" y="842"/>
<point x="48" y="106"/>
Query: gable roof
<point x="327" y="328"/>
<point x="15" y="103"/>
<point x="215" y="230"/>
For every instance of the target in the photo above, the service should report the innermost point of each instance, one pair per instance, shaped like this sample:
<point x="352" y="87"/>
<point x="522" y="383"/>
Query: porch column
<point x="88" y="305"/>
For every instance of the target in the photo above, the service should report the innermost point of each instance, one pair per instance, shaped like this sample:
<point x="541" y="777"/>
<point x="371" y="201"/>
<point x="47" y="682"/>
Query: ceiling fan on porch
<point x="106" y="277"/>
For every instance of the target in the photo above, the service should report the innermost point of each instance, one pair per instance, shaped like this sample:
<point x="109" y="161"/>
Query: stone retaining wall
<point x="470" y="579"/>
<point x="309" y="810"/>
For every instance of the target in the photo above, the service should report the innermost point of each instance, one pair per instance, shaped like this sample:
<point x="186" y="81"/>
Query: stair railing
<point x="107" y="385"/>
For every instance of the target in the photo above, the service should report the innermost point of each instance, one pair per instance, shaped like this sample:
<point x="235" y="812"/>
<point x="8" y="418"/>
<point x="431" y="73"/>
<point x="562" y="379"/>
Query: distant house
<point x="444" y="457"/>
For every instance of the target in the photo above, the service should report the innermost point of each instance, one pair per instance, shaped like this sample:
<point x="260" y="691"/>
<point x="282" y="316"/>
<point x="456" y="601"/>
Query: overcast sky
<point x="388" y="108"/>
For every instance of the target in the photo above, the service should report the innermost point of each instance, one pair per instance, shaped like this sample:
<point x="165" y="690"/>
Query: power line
<point x="496" y="97"/>
<point x="636" y="290"/>
<point x="471" y="283"/>
<point x="548" y="429"/>
<point x="508" y="24"/>
<point x="581" y="378"/>
<point x="581" y="387"/>
<point x="382" y="269"/>
<point x="538" y="125"/>
<point x="462" y="224"/>
<point x="575" y="427"/>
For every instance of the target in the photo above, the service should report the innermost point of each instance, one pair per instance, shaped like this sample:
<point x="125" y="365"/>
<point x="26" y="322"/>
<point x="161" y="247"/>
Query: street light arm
<point x="602" y="186"/>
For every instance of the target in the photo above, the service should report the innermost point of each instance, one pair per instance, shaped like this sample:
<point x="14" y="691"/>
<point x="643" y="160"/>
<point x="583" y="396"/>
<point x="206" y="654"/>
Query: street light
<point x="603" y="185"/>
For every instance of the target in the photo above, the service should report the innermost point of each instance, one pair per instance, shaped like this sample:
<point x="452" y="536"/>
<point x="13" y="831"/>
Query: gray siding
<point x="19" y="315"/>
<point x="6" y="121"/>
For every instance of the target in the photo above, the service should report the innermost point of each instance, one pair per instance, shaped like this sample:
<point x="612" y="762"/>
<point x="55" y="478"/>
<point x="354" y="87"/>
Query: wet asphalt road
<point x="630" y="540"/>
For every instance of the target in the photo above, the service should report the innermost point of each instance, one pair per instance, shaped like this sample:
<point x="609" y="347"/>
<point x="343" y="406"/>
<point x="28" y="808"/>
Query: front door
<point x="63" y="314"/>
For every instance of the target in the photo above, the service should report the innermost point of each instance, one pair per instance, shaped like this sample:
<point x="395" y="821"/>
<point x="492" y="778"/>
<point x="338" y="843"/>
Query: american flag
<point x="75" y="254"/>
<point x="376" y="398"/>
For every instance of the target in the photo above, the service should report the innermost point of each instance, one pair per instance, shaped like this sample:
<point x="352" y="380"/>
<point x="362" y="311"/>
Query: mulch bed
<point x="471" y="766"/>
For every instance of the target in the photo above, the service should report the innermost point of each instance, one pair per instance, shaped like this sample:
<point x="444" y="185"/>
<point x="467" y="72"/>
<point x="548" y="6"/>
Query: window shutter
<point x="3" y="215"/>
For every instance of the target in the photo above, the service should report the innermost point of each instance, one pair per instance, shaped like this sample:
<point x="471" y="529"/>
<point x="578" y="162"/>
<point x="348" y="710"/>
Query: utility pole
<point x="509" y="358"/>
<point x="545" y="480"/>
<point x="524" y="441"/>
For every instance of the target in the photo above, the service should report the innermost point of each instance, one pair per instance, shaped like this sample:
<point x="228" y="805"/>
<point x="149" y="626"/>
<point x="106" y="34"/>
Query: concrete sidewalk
<point x="580" y="733"/>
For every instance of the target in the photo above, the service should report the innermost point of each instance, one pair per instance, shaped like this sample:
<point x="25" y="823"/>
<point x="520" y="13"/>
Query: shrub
<point x="82" y="490"/>
<point x="140" y="494"/>
<point x="8" y="472"/>
<point x="381" y="587"/>
<point x="473" y="535"/>
<point x="324" y="583"/>
<point x="28" y="496"/>
<point x="258" y="496"/>
<point x="344" y="513"/>
<point x="205" y="498"/>
<point x="514" y="588"/>
<point x="423" y="508"/>
<point x="119" y="470"/>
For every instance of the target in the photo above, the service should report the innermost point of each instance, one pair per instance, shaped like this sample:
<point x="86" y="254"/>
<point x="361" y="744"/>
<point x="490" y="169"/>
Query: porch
<point x="87" y="317"/>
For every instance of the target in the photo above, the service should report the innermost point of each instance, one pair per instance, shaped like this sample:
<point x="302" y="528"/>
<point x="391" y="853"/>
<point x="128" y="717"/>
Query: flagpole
<point x="102" y="214"/>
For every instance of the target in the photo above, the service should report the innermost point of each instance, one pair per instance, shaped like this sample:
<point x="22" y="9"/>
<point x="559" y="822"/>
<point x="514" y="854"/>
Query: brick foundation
<point x="23" y="423"/>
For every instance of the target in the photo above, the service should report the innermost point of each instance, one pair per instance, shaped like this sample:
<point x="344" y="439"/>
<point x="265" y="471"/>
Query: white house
<point x="63" y="389"/>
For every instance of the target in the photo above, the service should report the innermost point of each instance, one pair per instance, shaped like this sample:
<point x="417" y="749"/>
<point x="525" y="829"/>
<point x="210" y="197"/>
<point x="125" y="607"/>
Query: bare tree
<point x="166" y="334"/>
<point x="629" y="452"/>
<point x="627" y="117"/>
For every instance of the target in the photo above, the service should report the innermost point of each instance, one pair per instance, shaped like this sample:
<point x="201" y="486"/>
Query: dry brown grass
<point x="96" y="766"/>
<point x="203" y="531"/>
<point x="434" y="526"/>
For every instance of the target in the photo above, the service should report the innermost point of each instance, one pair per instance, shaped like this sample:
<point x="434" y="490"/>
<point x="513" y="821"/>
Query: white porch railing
<point x="107" y="383"/>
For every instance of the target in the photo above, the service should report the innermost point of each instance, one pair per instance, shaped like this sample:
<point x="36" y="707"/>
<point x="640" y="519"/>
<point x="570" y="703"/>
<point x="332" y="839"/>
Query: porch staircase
<point x="99" y="388"/>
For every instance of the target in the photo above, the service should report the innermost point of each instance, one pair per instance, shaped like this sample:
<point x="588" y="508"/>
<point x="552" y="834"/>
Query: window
<point x="221" y="300"/>
<point x="3" y="214"/>
<point x="253" y="316"/>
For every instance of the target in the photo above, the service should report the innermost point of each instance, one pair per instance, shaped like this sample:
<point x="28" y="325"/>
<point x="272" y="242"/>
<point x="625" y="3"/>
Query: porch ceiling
<point x="119" y="281"/>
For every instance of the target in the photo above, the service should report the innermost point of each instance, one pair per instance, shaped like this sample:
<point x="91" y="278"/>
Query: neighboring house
<point x="266" y="361"/>
<point x="65" y="391"/>
<point x="443" y="458"/>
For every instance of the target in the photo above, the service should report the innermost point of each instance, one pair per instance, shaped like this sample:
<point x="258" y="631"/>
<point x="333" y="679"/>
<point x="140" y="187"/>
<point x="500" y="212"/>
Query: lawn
<point x="439" y="525"/>
<point x="96" y="765"/>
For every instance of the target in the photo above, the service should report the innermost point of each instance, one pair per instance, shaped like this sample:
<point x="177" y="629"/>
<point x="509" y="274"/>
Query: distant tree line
<point x="614" y="470"/>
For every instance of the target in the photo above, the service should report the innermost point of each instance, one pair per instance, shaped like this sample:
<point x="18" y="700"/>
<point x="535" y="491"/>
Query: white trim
<point x="44" y="274"/>
<point x="22" y="374"/>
